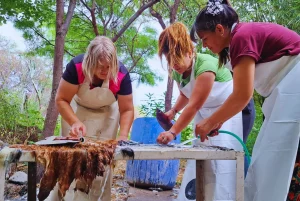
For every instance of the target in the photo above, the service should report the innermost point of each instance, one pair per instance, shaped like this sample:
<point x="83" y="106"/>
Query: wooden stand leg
<point x="240" y="177"/>
<point x="31" y="181"/>
<point x="2" y="180"/>
<point x="199" y="180"/>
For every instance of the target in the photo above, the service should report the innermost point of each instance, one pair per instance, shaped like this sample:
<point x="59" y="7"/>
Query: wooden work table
<point x="145" y="152"/>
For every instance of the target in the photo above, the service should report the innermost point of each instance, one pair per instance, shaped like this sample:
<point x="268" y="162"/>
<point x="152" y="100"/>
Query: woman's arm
<point x="243" y="79"/>
<point x="64" y="96"/>
<point x="201" y="91"/>
<point x="126" y="115"/>
<point x="181" y="102"/>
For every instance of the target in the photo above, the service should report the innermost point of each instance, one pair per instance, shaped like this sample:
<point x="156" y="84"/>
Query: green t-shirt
<point x="204" y="63"/>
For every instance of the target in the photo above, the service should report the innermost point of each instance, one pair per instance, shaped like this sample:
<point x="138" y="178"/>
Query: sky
<point x="139" y="91"/>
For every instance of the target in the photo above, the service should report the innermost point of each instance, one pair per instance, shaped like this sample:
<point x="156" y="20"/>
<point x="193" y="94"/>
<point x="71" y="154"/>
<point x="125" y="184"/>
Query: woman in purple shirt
<point x="264" y="57"/>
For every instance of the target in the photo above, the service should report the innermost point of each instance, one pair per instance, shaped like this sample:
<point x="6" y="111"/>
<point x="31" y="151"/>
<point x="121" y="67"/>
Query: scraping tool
<point x="58" y="140"/>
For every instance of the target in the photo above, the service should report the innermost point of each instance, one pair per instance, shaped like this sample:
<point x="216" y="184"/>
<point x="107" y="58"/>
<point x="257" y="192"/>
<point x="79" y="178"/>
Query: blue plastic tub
<point x="150" y="173"/>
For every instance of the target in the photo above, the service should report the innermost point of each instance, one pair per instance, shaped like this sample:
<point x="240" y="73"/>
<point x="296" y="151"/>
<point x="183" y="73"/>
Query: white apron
<point x="275" y="149"/>
<point x="97" y="109"/>
<point x="220" y="175"/>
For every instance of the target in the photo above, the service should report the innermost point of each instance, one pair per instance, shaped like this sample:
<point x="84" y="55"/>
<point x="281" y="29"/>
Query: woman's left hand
<point x="204" y="127"/>
<point x="165" y="137"/>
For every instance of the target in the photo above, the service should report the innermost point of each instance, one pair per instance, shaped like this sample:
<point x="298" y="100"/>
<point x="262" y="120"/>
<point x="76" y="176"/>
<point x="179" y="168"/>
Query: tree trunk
<point x="61" y="30"/>
<point x="169" y="94"/>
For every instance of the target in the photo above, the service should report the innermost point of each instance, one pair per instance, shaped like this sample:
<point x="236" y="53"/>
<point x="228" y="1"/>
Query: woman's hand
<point x="170" y="114"/>
<point x="165" y="137"/>
<point x="77" y="129"/>
<point x="204" y="127"/>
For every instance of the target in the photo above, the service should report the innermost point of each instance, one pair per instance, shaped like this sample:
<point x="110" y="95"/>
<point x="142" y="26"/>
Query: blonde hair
<point x="100" y="49"/>
<point x="174" y="43"/>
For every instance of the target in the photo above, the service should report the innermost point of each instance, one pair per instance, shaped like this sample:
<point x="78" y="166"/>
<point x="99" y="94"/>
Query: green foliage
<point x="149" y="109"/>
<point x="37" y="19"/>
<point x="284" y="12"/>
<point x="134" y="50"/>
<point x="9" y="110"/>
<point x="187" y="133"/>
<point x="151" y="104"/>
<point x="258" y="100"/>
<point x="19" y="125"/>
<point x="31" y="116"/>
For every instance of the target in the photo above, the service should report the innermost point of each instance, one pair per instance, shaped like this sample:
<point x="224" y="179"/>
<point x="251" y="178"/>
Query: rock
<point x="122" y="190"/>
<point x="122" y="183"/>
<point x="18" y="178"/>
<point x="118" y="176"/>
<point x="13" y="191"/>
<point x="11" y="169"/>
<point x="3" y="144"/>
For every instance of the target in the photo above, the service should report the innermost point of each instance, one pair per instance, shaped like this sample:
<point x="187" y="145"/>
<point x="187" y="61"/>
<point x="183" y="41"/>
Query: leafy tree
<point x="110" y="18"/>
<point x="22" y="83"/>
<point x="284" y="12"/>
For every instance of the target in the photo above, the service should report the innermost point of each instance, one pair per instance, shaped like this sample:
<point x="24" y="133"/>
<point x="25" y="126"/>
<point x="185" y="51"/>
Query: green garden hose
<point x="242" y="143"/>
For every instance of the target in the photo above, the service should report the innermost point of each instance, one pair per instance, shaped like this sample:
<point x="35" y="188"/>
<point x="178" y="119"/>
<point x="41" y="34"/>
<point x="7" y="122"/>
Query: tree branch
<point x="167" y="4"/>
<point x="99" y="8"/>
<point x="158" y="17"/>
<point x="131" y="20"/>
<point x="137" y="60"/>
<point x="34" y="86"/>
<point x="92" y="11"/>
<point x="69" y="16"/>
<point x="85" y="5"/>
<point x="173" y="11"/>
<point x="49" y="42"/>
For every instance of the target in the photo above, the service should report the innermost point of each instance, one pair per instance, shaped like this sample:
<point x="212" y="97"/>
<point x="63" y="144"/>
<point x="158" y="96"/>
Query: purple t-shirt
<point x="264" y="42"/>
<point x="74" y="75"/>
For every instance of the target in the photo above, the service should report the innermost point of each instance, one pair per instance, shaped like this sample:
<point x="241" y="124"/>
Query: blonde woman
<point x="204" y="86"/>
<point x="99" y="88"/>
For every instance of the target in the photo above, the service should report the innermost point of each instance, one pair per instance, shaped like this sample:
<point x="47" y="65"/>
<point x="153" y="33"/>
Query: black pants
<point x="248" y="114"/>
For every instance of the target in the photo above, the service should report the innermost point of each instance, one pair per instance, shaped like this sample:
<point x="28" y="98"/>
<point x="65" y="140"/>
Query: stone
<point x="18" y="178"/>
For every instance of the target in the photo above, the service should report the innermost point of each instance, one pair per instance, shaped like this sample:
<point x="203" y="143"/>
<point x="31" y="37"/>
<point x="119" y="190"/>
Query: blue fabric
<point x="248" y="114"/>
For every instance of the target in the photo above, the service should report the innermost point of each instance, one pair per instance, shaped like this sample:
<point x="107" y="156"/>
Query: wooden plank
<point x="168" y="153"/>
<point x="240" y="176"/>
<point x="32" y="167"/>
<point x="2" y="179"/>
<point x="27" y="157"/>
<point x="4" y="156"/>
<point x="200" y="191"/>
<point x="162" y="153"/>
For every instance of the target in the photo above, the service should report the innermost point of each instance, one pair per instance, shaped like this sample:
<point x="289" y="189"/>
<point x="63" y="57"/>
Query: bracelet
<point x="174" y="135"/>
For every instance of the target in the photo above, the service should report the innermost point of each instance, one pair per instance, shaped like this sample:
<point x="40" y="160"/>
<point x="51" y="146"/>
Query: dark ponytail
<point x="216" y="12"/>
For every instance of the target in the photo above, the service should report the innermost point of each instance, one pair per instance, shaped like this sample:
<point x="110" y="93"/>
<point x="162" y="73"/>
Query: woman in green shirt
<point x="204" y="86"/>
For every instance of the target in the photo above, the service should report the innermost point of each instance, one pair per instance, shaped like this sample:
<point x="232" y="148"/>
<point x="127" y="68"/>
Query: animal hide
<point x="65" y="163"/>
